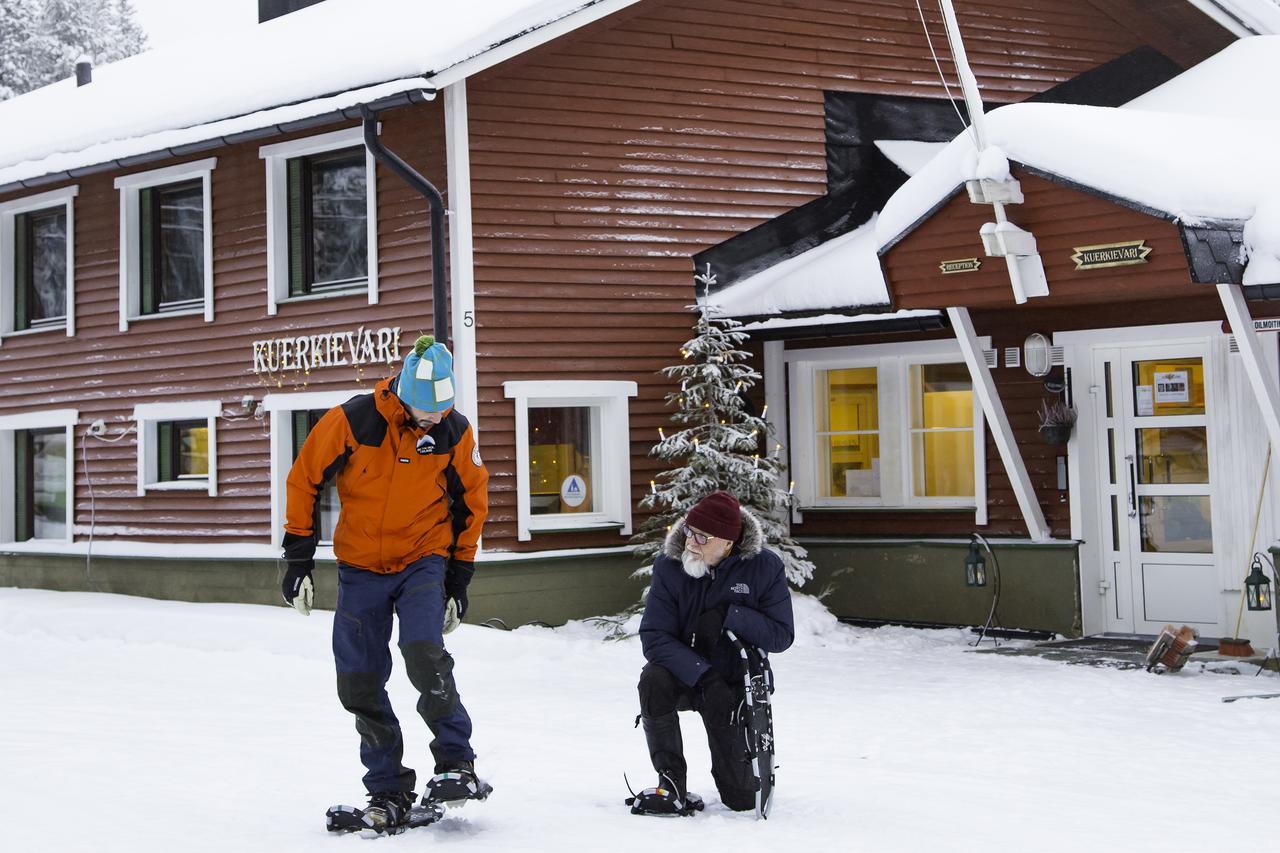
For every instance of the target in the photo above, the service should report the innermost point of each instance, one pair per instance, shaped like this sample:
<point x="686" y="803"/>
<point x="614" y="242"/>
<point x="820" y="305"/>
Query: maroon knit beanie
<point x="718" y="515"/>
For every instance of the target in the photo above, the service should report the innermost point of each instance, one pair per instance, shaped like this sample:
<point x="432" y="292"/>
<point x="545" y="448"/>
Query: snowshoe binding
<point x="388" y="813"/>
<point x="664" y="800"/>
<point x="455" y="784"/>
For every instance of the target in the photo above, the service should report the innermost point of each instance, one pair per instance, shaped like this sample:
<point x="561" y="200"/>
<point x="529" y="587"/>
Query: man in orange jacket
<point x="412" y="489"/>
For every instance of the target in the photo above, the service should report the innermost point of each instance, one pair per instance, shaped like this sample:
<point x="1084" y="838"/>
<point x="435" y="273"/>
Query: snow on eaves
<point x="318" y="52"/>
<point x="1194" y="166"/>
<point x="774" y="324"/>
<point x="841" y="273"/>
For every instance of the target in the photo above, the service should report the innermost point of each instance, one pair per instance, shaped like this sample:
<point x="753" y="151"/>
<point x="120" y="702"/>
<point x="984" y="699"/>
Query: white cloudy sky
<point x="167" y="21"/>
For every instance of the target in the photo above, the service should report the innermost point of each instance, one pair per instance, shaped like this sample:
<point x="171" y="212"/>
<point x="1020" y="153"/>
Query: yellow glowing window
<point x="182" y="449"/>
<point x="942" y="461"/>
<point x="560" y="460"/>
<point x="848" y="419"/>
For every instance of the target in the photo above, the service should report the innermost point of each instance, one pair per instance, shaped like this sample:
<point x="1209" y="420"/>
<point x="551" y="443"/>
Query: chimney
<point x="268" y="9"/>
<point x="84" y="70"/>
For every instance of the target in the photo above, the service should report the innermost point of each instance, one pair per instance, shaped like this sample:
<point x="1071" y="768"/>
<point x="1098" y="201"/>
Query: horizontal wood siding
<point x="1061" y="218"/>
<point x="104" y="372"/>
<point x="602" y="162"/>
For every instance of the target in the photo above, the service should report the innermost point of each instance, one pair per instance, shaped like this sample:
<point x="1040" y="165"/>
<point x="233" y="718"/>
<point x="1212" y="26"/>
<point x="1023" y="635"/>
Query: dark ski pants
<point x="362" y="653"/>
<point x="661" y="697"/>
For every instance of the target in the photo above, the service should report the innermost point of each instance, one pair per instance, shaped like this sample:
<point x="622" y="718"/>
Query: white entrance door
<point x="1157" y="533"/>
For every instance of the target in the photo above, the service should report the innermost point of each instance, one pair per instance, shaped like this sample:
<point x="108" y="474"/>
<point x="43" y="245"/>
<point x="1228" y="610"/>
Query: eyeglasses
<point x="700" y="538"/>
<point x="425" y="445"/>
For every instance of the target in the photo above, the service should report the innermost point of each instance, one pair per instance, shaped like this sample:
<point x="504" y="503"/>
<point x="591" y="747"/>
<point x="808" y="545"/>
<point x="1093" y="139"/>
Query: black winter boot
<point x="388" y="810"/>
<point x="455" y="782"/>
<point x="666" y="750"/>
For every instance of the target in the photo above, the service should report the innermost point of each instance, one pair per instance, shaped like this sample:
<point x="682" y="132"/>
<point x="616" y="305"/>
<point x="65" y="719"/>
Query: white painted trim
<point x="775" y="401"/>
<point x="984" y="386"/>
<point x="893" y="364"/>
<point x="1264" y="387"/>
<point x="148" y="414"/>
<point x="40" y="420"/>
<point x="167" y="175"/>
<point x="280" y="407"/>
<point x="275" y="157"/>
<point x="64" y="196"/>
<point x="1140" y="335"/>
<point x="461" y="252"/>
<point x="48" y="419"/>
<point x="611" y="445"/>
<point x="129" y="257"/>
<point x="1229" y="22"/>
<point x="591" y="12"/>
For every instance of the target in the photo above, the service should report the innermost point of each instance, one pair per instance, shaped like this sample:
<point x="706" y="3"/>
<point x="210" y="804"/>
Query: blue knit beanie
<point x="426" y="380"/>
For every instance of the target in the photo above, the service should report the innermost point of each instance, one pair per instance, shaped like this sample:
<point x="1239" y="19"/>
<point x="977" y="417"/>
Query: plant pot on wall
<point x="1055" y="433"/>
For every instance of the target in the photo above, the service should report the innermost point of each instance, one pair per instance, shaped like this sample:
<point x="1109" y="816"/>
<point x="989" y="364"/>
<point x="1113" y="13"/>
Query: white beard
<point x="693" y="565"/>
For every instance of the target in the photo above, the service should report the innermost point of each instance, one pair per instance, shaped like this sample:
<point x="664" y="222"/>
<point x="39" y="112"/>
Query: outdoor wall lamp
<point x="975" y="574"/>
<point x="1257" y="587"/>
<point x="1036" y="355"/>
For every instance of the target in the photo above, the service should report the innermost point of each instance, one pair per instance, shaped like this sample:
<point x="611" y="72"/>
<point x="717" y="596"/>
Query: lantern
<point x="975" y="568"/>
<point x="1257" y="587"/>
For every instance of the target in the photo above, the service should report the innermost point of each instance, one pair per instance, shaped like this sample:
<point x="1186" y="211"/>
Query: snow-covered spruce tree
<point x="42" y="40"/>
<point x="717" y="443"/>
<point x="21" y="54"/>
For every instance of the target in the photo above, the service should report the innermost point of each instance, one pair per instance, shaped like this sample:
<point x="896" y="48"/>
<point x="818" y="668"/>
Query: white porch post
<point x="461" y="252"/>
<point x="985" y="388"/>
<point x="1264" y="388"/>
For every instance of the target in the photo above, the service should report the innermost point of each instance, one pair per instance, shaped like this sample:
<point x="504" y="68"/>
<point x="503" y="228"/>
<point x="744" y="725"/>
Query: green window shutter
<point x="297" y="226"/>
<point x="164" y="453"/>
<point x="147" y="225"/>
<point x="23" y="526"/>
<point x="21" y="271"/>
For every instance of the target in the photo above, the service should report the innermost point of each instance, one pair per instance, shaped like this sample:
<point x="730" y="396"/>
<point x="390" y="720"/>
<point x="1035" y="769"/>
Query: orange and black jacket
<point x="397" y="505"/>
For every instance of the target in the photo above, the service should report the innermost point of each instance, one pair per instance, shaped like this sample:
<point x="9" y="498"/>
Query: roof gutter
<point x="440" y="318"/>
<point x="402" y="99"/>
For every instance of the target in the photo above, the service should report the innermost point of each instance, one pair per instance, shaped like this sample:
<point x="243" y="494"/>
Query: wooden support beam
<point x="984" y="386"/>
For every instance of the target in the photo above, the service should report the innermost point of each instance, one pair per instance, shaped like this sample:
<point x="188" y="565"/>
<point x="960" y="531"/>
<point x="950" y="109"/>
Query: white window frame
<point x="130" y="253"/>
<point x="276" y="156"/>
<point x="48" y="419"/>
<point x="893" y="363"/>
<point x="611" y="448"/>
<point x="280" y="408"/>
<point x="147" y="416"/>
<point x="9" y="210"/>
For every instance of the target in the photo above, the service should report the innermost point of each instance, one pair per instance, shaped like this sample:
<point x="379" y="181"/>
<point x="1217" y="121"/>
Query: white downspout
<point x="462" y="279"/>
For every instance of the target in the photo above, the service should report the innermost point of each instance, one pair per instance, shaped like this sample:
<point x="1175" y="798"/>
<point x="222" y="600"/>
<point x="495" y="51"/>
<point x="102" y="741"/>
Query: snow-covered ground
<point x="135" y="725"/>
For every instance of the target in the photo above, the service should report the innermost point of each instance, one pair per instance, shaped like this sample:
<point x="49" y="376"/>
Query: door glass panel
<point x="1173" y="455"/>
<point x="1115" y="523"/>
<point x="1176" y="523"/>
<point x="1106" y="375"/>
<point x="1168" y="386"/>
<point x="1111" y="454"/>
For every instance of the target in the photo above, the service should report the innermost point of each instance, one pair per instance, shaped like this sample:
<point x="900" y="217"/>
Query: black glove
<point x="297" y="588"/>
<point x="707" y="633"/>
<point x="455" y="583"/>
<point x="717" y="701"/>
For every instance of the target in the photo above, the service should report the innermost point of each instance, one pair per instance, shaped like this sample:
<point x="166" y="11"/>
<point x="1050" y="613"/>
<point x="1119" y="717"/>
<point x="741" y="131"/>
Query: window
<point x="177" y="446"/>
<point x="886" y="426"/>
<point x="292" y="418"/>
<point x="166" y="242"/>
<point x="328" y="505"/>
<point x="573" y="462"/>
<point x="321" y="218"/>
<point x="37" y="263"/>
<point x="37" y="473"/>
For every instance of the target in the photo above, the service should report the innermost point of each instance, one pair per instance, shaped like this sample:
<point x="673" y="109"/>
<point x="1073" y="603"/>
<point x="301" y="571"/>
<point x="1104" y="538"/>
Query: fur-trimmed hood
<point x="750" y="540"/>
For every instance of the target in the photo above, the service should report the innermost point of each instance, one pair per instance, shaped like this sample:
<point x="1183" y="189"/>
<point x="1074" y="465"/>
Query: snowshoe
<point x="756" y="719"/>
<point x="454" y="785"/>
<point x="664" y="800"/>
<point x="388" y="813"/>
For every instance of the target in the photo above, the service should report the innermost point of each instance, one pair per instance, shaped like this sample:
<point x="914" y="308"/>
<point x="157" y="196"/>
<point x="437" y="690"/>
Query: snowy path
<point x="217" y="727"/>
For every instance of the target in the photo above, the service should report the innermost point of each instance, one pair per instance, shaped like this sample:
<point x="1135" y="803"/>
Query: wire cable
<point x="941" y="76"/>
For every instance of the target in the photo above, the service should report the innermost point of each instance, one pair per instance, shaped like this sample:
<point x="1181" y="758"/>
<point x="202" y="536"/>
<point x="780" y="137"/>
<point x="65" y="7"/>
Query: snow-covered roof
<point x="290" y="68"/>
<point x="777" y="324"/>
<point x="840" y="275"/>
<point x="842" y="272"/>
<point x="1205" y="159"/>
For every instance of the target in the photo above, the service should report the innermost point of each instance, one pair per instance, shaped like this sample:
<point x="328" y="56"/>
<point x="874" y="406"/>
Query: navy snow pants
<point x="362" y="652"/>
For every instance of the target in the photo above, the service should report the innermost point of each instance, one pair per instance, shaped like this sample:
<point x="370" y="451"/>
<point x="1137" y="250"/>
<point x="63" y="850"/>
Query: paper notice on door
<point x="1143" y="401"/>
<point x="1173" y="386"/>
